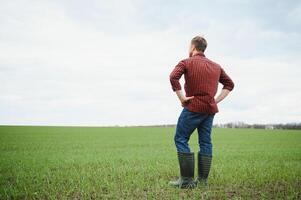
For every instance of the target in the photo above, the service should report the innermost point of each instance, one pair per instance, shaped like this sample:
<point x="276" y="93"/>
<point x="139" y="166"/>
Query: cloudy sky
<point x="108" y="62"/>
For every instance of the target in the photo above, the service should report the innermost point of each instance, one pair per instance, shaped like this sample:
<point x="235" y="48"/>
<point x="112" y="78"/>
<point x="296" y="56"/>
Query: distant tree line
<point x="293" y="126"/>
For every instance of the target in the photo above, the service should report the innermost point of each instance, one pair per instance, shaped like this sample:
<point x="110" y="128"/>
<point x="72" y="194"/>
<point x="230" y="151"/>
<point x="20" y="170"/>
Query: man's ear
<point x="192" y="47"/>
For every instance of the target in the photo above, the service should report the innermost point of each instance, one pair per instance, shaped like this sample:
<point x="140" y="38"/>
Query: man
<point x="199" y="107"/>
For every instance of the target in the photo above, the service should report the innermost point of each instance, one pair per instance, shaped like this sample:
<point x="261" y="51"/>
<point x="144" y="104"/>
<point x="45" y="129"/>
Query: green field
<point x="137" y="163"/>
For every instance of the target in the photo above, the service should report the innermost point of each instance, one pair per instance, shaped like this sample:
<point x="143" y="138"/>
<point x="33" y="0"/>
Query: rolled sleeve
<point x="226" y="80"/>
<point x="176" y="74"/>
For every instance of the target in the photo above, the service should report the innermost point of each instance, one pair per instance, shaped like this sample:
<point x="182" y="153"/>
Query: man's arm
<point x="222" y="95"/>
<point x="176" y="74"/>
<point x="228" y="86"/>
<point x="174" y="78"/>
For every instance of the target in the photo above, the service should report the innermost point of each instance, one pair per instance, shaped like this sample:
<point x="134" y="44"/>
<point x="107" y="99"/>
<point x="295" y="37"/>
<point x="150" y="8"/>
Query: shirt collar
<point x="200" y="54"/>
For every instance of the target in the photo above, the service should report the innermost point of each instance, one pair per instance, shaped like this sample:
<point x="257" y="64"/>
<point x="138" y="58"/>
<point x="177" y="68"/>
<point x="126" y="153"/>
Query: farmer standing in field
<point x="199" y="107"/>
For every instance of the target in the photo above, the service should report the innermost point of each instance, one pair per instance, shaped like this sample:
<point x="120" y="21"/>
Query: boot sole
<point x="188" y="186"/>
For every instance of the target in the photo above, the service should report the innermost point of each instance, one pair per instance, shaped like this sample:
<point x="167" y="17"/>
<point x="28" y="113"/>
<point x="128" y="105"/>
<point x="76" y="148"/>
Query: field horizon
<point x="80" y="162"/>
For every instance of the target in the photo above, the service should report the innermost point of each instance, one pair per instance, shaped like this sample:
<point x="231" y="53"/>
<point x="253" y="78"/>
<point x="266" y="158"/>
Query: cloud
<point x="106" y="63"/>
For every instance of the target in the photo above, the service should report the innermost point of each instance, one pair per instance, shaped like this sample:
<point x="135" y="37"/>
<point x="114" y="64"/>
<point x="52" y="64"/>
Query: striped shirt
<point x="201" y="81"/>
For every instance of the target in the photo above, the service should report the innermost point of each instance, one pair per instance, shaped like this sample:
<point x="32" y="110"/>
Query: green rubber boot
<point x="186" y="162"/>
<point x="204" y="165"/>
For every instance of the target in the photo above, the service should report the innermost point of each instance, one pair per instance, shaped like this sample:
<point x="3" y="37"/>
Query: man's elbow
<point x="175" y="85"/>
<point x="232" y="85"/>
<point x="229" y="86"/>
<point x="172" y="77"/>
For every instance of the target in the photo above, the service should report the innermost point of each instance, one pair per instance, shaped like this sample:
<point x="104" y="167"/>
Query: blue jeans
<point x="187" y="122"/>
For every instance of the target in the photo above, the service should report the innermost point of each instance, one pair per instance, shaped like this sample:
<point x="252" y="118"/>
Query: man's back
<point x="201" y="81"/>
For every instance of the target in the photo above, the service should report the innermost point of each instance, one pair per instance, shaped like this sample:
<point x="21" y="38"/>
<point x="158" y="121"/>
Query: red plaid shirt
<point x="201" y="81"/>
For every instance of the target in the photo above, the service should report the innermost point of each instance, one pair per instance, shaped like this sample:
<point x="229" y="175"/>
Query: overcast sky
<point x="108" y="62"/>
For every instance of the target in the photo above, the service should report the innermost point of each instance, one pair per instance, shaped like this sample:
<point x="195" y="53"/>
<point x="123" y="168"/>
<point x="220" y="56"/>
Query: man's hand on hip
<point x="184" y="100"/>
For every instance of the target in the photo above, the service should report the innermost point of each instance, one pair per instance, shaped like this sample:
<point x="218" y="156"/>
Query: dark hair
<point x="200" y="43"/>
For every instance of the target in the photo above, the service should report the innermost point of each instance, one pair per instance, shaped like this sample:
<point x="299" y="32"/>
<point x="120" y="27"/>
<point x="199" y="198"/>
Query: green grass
<point x="137" y="163"/>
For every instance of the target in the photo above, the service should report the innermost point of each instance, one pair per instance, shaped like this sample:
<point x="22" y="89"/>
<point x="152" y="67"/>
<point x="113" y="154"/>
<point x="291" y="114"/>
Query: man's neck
<point x="197" y="52"/>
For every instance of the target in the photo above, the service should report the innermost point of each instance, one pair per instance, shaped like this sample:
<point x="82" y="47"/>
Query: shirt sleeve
<point x="226" y="80"/>
<point x="176" y="74"/>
